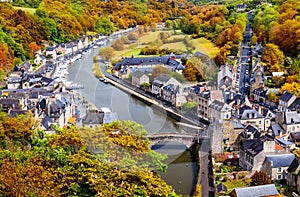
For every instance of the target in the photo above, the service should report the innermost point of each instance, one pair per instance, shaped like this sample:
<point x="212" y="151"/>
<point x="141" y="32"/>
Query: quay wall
<point x="149" y="101"/>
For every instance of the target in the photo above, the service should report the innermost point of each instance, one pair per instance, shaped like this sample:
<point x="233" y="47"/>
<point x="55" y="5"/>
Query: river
<point x="182" y="168"/>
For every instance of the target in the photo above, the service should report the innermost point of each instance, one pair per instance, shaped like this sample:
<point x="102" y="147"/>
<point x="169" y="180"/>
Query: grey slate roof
<point x="221" y="188"/>
<point x="295" y="105"/>
<point x="254" y="146"/>
<point x="93" y="117"/>
<point x="261" y="190"/>
<point x="237" y="124"/>
<point x="218" y="105"/>
<point x="294" y="165"/>
<point x="250" y="114"/>
<point x="260" y="92"/>
<point x="249" y="129"/>
<point x="281" y="160"/>
<point x="286" y="96"/>
<point x="163" y="78"/>
<point x="283" y="143"/>
<point x="137" y="74"/>
<point x="171" y="88"/>
<point x="166" y="60"/>
<point x="276" y="129"/>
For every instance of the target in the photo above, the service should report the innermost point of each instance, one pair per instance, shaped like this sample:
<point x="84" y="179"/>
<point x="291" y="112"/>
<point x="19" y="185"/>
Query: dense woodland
<point x="78" y="161"/>
<point x="278" y="29"/>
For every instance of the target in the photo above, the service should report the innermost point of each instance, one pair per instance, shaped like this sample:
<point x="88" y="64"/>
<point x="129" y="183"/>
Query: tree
<point x="273" y="97"/>
<point x="118" y="45"/>
<point x="260" y="178"/>
<point x="159" y="70"/>
<point x="273" y="58"/>
<point x="291" y="87"/>
<point x="33" y="48"/>
<point x="107" y="53"/>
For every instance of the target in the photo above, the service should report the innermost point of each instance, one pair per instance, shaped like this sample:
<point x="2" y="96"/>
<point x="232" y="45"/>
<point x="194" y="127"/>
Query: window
<point x="279" y="169"/>
<point x="279" y="176"/>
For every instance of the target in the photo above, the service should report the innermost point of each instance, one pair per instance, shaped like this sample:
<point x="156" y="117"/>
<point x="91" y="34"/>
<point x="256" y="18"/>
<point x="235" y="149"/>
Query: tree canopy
<point x="77" y="161"/>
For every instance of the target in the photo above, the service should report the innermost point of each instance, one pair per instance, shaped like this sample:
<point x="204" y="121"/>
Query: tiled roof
<point x="261" y="190"/>
<point x="280" y="160"/>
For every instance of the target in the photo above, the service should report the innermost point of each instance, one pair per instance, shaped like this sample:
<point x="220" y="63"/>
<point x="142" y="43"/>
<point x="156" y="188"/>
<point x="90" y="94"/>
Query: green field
<point x="203" y="45"/>
<point x="175" y="46"/>
<point x="29" y="10"/>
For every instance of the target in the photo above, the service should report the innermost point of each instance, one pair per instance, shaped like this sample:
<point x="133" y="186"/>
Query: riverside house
<point x="146" y="64"/>
<point x="138" y="78"/>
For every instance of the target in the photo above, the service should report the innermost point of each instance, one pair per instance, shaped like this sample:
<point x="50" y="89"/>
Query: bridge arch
<point x="187" y="139"/>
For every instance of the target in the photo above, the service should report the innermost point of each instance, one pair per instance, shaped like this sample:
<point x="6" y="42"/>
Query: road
<point x="245" y="61"/>
<point x="206" y="169"/>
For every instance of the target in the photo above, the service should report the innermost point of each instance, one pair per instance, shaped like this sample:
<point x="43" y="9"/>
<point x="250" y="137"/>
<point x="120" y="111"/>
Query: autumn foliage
<point x="77" y="161"/>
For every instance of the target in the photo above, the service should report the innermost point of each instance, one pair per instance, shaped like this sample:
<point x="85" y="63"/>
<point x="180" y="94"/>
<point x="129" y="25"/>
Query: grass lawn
<point x="128" y="52"/>
<point x="205" y="46"/>
<point x="175" y="45"/>
<point x="231" y="184"/>
<point x="152" y="36"/>
<point x="30" y="10"/>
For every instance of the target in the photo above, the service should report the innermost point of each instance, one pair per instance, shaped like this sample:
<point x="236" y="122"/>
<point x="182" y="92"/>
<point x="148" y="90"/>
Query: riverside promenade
<point x="157" y="105"/>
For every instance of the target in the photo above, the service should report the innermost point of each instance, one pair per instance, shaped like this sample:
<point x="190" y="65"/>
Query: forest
<point x="78" y="161"/>
<point x="278" y="29"/>
<point x="55" y="21"/>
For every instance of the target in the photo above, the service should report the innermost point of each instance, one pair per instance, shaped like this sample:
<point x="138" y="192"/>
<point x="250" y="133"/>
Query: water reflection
<point x="181" y="172"/>
<point x="182" y="167"/>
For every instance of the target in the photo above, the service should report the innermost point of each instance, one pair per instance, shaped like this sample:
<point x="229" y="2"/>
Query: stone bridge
<point x="187" y="139"/>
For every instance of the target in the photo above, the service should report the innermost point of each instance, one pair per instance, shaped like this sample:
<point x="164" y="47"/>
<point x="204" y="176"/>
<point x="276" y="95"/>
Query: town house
<point x="138" y="78"/>
<point x="225" y="77"/>
<point x="146" y="64"/>
<point x="247" y="115"/>
<point x="174" y="95"/>
<point x="219" y="111"/>
<point x="276" y="165"/>
<point x="260" y="94"/>
<point x="285" y="100"/>
<point x="93" y="118"/>
<point x="293" y="174"/>
<point x="290" y="121"/>
<point x="51" y="52"/>
<point x="205" y="99"/>
<point x="160" y="82"/>
<point x="253" y="151"/>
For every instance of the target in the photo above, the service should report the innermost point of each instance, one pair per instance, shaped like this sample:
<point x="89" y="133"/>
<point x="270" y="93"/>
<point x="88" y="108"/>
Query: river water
<point x="182" y="170"/>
